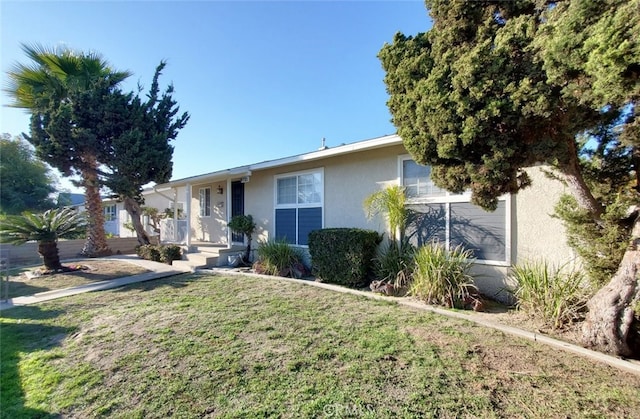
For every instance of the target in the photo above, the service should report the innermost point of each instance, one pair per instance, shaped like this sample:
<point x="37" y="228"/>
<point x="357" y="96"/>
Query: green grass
<point x="213" y="346"/>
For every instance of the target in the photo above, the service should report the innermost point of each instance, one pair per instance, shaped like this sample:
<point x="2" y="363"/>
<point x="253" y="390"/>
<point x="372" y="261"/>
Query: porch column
<point x="175" y="213"/>
<point x="229" y="209"/>
<point x="188" y="211"/>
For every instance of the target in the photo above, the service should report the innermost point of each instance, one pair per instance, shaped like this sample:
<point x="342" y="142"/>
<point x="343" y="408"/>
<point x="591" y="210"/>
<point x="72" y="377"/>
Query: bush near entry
<point x="158" y="253"/>
<point x="343" y="256"/>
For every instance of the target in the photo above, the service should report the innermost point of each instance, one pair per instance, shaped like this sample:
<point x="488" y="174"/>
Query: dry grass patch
<point x="94" y="270"/>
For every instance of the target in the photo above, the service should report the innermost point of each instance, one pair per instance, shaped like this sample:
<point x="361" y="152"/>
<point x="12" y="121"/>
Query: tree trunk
<point x="133" y="208"/>
<point x="49" y="251"/>
<point x="247" y="251"/>
<point x="577" y="185"/>
<point x="611" y="325"/>
<point x="96" y="244"/>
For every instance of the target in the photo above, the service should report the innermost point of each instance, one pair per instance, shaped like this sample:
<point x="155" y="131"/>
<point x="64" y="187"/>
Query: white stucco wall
<point x="348" y="180"/>
<point x="213" y="228"/>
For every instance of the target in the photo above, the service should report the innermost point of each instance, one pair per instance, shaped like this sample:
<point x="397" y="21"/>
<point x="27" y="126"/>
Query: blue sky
<point x="261" y="80"/>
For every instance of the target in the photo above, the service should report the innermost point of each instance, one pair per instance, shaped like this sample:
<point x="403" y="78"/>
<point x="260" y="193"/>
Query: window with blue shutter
<point x="298" y="209"/>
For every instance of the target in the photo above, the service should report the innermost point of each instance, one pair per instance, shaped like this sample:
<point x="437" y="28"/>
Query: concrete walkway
<point x="156" y="270"/>
<point x="161" y="270"/>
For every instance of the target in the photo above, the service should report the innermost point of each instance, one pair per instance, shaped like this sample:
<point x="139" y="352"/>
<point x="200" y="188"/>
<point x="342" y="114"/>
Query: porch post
<point x="229" y="209"/>
<point x="175" y="213"/>
<point x="188" y="211"/>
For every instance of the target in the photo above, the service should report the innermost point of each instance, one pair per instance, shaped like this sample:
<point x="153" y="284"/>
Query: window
<point x="205" y="202"/>
<point x="452" y="219"/>
<point x="299" y="206"/>
<point x="110" y="213"/>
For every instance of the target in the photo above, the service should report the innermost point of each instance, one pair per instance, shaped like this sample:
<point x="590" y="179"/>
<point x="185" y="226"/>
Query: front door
<point x="237" y="207"/>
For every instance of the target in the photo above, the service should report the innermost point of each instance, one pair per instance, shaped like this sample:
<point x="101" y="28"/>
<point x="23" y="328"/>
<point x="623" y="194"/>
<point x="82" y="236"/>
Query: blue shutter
<point x="308" y="219"/>
<point x="480" y="231"/>
<point x="427" y="223"/>
<point x="286" y="225"/>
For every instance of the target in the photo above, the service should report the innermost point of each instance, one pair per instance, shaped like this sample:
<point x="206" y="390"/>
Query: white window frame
<point x="277" y="206"/>
<point x="202" y="202"/>
<point x="447" y="199"/>
<point x="112" y="211"/>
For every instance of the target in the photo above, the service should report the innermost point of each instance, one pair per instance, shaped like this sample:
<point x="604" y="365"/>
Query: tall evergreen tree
<point x="140" y="132"/>
<point x="26" y="183"/>
<point x="496" y="86"/>
<point x="59" y="88"/>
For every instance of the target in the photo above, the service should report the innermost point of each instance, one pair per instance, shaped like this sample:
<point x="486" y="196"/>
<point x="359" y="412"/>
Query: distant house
<point x="117" y="221"/>
<point x="290" y="196"/>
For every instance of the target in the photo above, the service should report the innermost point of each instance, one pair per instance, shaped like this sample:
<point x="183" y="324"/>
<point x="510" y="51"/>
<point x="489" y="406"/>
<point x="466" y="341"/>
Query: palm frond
<point x="48" y="226"/>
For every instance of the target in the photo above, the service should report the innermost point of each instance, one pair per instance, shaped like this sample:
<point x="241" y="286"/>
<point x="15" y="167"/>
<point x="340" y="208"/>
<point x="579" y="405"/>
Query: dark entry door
<point x="237" y="206"/>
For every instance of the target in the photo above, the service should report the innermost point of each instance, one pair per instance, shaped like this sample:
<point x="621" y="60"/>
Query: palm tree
<point x="49" y="88"/>
<point x="45" y="228"/>
<point x="390" y="202"/>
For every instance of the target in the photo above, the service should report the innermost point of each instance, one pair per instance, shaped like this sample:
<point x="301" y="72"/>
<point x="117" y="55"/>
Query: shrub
<point x="343" y="256"/>
<point x="244" y="224"/>
<point x="442" y="277"/>
<point x="279" y="258"/>
<point x="170" y="253"/>
<point x="165" y="254"/>
<point x="600" y="244"/>
<point x="555" y="294"/>
<point x="394" y="264"/>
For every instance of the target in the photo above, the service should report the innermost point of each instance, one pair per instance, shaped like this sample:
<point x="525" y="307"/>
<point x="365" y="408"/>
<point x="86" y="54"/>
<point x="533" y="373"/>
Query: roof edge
<point x="371" y="144"/>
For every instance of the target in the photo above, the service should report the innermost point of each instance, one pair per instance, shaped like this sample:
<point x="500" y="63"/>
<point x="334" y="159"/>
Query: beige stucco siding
<point x="348" y="180"/>
<point x="536" y="233"/>
<point x="212" y="228"/>
<point x="259" y="201"/>
<point x="164" y="199"/>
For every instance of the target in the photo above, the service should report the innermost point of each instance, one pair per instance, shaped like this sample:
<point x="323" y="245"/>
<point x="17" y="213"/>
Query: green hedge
<point x="343" y="256"/>
<point x="165" y="254"/>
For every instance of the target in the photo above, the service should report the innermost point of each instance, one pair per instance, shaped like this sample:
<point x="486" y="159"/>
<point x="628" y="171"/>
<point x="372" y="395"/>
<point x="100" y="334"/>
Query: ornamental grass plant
<point x="555" y="293"/>
<point x="277" y="257"/>
<point x="441" y="276"/>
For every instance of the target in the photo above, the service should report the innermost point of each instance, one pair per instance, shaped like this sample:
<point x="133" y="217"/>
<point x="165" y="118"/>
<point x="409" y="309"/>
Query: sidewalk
<point x="157" y="270"/>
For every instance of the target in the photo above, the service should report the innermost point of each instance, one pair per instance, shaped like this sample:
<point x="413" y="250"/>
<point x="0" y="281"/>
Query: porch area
<point x="206" y="254"/>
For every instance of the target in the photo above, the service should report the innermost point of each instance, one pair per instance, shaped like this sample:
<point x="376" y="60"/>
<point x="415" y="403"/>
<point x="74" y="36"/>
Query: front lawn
<point x="216" y="346"/>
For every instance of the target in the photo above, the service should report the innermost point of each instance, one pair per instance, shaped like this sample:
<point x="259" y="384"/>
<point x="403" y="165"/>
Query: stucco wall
<point x="536" y="234"/>
<point x="161" y="200"/>
<point x="348" y="180"/>
<point x="213" y="228"/>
